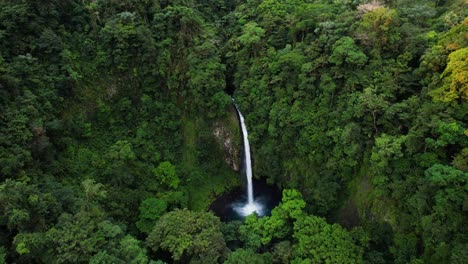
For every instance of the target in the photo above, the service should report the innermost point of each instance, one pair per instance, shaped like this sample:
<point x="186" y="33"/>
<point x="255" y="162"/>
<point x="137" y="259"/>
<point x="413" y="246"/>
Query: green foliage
<point x="2" y="255"/>
<point x="379" y="28"/>
<point x="230" y="232"/>
<point x="386" y="150"/>
<point x="345" y="102"/>
<point x="151" y="210"/>
<point x="356" y="109"/>
<point x="257" y="232"/>
<point x="247" y="256"/>
<point x="252" y="34"/>
<point x="440" y="196"/>
<point x="314" y="239"/>
<point x="405" y="248"/>
<point x="77" y="238"/>
<point x="455" y="79"/>
<point x="166" y="174"/>
<point x="460" y="161"/>
<point x="122" y="150"/>
<point x="323" y="243"/>
<point x="448" y="133"/>
<point x="92" y="191"/>
<point x="129" y="250"/>
<point x="81" y="238"/>
<point x="452" y="82"/>
<point x="128" y="40"/>
<point x="191" y="237"/>
<point x="374" y="103"/>
<point x="345" y="51"/>
<point x="23" y="207"/>
<point x="282" y="252"/>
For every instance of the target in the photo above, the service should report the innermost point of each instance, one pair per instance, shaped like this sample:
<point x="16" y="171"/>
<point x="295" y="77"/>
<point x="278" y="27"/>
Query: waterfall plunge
<point x="251" y="206"/>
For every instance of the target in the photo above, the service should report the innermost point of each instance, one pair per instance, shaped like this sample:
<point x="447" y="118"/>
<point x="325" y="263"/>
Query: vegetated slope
<point x="106" y="107"/>
<point x="362" y="107"/>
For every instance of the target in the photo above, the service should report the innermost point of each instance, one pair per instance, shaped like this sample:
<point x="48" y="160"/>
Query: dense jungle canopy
<point x="114" y="118"/>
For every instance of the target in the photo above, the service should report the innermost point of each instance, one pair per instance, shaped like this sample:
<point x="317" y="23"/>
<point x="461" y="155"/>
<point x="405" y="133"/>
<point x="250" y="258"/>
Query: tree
<point x="373" y="103"/>
<point x="190" y="237"/>
<point x="282" y="252"/>
<point x="257" y="232"/>
<point x="454" y="84"/>
<point x="151" y="210"/>
<point x="23" y="207"/>
<point x="2" y="255"/>
<point x="379" y="29"/>
<point x="76" y="238"/>
<point x="252" y="34"/>
<point x="345" y="51"/>
<point x="121" y="162"/>
<point x="460" y="161"/>
<point x="242" y="256"/>
<point x="405" y="248"/>
<point x="439" y="206"/>
<point x="129" y="250"/>
<point x="122" y="150"/>
<point x="93" y="191"/>
<point x="128" y="41"/>
<point x="81" y="238"/>
<point x="447" y="133"/>
<point x="314" y="239"/>
<point x="319" y="242"/>
<point x="166" y="174"/>
<point x="386" y="149"/>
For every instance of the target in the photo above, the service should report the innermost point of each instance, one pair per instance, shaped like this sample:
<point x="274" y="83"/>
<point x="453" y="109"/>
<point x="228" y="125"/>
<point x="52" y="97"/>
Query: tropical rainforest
<point x="117" y="130"/>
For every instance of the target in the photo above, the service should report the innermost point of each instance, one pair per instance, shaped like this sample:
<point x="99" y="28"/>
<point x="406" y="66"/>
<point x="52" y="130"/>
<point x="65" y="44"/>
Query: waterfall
<point x="248" y="160"/>
<point x="251" y="206"/>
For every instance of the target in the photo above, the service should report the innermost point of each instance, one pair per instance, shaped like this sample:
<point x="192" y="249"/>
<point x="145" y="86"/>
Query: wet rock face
<point x="225" y="139"/>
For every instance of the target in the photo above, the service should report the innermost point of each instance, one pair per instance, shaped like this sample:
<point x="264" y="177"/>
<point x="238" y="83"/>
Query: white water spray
<point x="251" y="205"/>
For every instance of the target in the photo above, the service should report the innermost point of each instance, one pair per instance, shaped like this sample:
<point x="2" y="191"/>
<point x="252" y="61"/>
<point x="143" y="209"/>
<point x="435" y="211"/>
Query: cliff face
<point x="227" y="134"/>
<point x="231" y="152"/>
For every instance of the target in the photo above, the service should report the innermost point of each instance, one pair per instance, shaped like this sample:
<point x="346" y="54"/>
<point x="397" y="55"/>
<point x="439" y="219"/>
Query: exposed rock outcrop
<point x="226" y="140"/>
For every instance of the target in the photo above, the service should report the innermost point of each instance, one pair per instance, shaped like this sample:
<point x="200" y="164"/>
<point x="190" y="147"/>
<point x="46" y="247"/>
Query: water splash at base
<point x="249" y="208"/>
